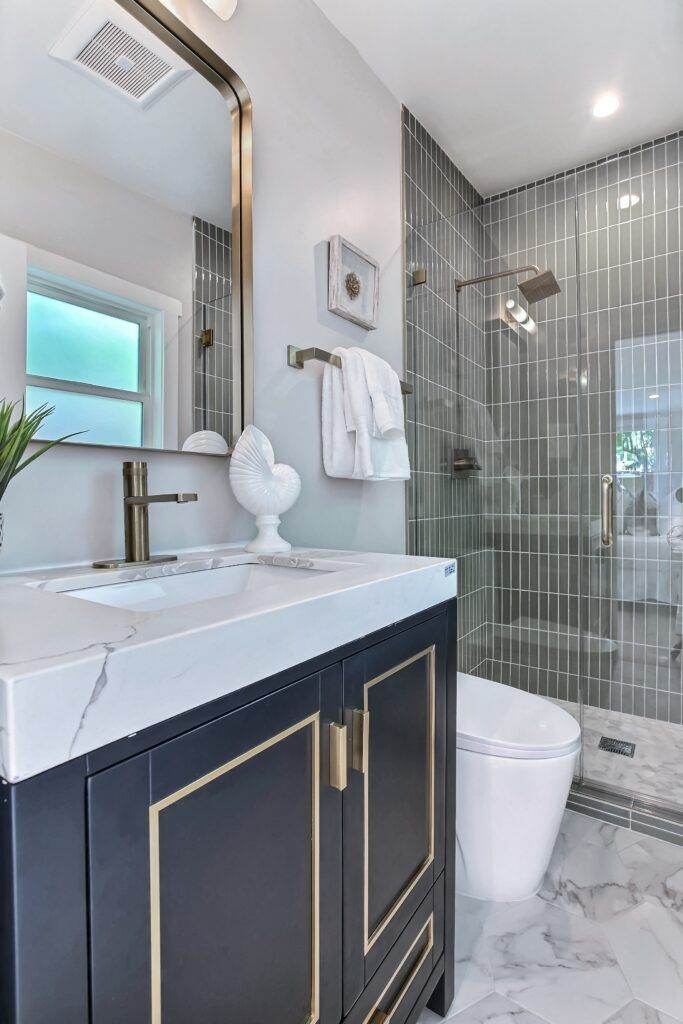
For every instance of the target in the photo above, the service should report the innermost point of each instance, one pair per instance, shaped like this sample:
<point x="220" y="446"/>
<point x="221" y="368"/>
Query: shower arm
<point x="492" y="277"/>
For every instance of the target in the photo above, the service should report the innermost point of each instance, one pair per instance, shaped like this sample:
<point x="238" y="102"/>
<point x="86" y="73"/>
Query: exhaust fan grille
<point x="123" y="61"/>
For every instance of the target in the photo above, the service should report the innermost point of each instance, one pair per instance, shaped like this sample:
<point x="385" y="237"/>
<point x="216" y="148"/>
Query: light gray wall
<point x="55" y="204"/>
<point x="327" y="160"/>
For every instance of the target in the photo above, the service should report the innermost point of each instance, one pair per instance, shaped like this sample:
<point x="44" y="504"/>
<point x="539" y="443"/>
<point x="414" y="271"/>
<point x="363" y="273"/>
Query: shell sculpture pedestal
<point x="264" y="487"/>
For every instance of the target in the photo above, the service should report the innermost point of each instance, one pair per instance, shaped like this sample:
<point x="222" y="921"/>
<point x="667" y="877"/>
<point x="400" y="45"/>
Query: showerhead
<point x="540" y="286"/>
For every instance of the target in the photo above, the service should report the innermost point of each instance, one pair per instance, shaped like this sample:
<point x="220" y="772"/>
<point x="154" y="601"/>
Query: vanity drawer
<point x="392" y="992"/>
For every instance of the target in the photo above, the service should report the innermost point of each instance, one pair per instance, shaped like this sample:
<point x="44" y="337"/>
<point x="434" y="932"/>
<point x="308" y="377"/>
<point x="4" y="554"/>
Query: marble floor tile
<point x="495" y="1009"/>
<point x="555" y="964"/>
<point x="639" y="1013"/>
<point x="648" y="944"/>
<point x="577" y="829"/>
<point x="656" y="868"/>
<point x="473" y="975"/>
<point x="610" y="912"/>
<point x="592" y="881"/>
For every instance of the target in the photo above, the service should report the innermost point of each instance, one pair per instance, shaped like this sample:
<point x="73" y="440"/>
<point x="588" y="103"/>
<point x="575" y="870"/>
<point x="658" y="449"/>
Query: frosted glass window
<point x="70" y="342"/>
<point x="106" y="420"/>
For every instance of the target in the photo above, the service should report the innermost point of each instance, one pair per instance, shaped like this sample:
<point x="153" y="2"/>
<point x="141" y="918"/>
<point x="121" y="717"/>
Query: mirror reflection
<point x="115" y="232"/>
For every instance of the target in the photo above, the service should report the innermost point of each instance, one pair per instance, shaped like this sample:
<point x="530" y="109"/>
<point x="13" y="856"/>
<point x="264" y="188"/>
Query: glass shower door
<point x="631" y="421"/>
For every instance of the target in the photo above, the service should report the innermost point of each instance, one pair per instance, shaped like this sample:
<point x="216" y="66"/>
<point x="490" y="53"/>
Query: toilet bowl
<point x="516" y="754"/>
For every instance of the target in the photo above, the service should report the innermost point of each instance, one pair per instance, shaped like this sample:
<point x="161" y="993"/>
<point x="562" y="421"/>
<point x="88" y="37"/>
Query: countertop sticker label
<point x="449" y="569"/>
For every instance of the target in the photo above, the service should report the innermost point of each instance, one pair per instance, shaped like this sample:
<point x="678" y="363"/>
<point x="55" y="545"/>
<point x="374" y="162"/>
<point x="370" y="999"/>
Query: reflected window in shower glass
<point x="111" y="421"/>
<point x="636" y="452"/>
<point x="66" y="341"/>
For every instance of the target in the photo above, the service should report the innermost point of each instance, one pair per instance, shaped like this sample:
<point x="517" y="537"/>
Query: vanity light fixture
<point x="223" y="8"/>
<point x="515" y="312"/>
<point x="606" y="105"/>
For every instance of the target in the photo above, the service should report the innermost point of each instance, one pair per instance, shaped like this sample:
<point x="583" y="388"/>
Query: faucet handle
<point x="153" y="499"/>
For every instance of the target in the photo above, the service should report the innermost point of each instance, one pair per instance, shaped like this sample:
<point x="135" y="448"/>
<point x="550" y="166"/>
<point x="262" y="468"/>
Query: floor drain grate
<point x="617" y="746"/>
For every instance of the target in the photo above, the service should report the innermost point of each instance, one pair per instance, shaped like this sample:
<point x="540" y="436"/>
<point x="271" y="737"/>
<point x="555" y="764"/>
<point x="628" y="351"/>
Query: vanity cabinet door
<point x="394" y="804"/>
<point x="215" y="871"/>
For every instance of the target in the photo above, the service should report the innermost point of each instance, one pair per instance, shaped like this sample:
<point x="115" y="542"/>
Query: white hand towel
<point x="385" y="393"/>
<point x="349" y="448"/>
<point x="339" y="443"/>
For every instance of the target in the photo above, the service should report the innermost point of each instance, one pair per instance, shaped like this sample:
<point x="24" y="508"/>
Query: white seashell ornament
<point x="264" y="487"/>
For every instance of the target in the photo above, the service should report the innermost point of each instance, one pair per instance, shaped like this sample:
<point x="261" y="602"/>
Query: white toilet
<point x="516" y="754"/>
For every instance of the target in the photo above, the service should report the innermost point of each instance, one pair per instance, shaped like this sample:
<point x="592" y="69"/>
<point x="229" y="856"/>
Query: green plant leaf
<point x="17" y="434"/>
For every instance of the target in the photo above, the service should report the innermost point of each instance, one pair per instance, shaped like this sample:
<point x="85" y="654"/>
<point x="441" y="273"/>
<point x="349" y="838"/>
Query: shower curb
<point x="661" y="821"/>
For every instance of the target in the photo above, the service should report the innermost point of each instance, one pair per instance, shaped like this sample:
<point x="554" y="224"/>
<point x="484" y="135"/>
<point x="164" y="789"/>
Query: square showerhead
<point x="540" y="286"/>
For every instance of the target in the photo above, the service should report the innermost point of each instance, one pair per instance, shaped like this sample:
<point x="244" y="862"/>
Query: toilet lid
<point x="505" y="722"/>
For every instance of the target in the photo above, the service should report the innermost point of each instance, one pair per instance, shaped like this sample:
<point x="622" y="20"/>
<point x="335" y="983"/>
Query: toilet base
<point x="509" y="812"/>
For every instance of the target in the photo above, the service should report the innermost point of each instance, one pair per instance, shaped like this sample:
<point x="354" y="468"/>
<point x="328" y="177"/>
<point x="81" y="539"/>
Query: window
<point x="93" y="357"/>
<point x="636" y="452"/>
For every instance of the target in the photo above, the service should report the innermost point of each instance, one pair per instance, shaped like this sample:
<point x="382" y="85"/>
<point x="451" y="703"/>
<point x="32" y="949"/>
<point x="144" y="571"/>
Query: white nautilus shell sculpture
<point x="264" y="487"/>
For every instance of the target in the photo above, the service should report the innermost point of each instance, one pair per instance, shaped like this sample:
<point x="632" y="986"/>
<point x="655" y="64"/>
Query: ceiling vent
<point x="114" y="49"/>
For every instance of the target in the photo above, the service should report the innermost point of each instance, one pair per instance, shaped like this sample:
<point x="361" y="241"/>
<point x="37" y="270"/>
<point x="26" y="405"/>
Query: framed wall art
<point x="353" y="287"/>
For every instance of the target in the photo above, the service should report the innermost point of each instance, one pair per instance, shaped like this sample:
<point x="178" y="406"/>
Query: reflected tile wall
<point x="444" y="234"/>
<point x="605" y="346"/>
<point x="213" y="381"/>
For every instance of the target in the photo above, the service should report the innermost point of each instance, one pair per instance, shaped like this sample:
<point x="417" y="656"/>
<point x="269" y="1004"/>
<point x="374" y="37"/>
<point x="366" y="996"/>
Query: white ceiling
<point x="507" y="86"/>
<point x="176" y="151"/>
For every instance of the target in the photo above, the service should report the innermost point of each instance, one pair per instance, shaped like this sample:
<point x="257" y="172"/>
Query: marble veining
<point x="493" y="1009"/>
<point x="602" y="943"/>
<point x="657" y="871"/>
<point x="648" y="943"/>
<point x="76" y="675"/>
<point x="591" y="880"/>
<point x="548" y="960"/>
<point x="638" y="1013"/>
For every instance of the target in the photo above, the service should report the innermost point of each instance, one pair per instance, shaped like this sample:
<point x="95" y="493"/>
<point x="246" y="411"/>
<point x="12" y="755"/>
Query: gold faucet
<point x="136" y="502"/>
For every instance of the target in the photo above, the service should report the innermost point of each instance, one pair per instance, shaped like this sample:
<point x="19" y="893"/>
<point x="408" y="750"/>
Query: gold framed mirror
<point x="125" y="227"/>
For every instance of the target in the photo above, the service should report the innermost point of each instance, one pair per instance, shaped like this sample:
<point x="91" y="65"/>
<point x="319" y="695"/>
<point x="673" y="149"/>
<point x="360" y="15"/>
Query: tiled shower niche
<point x="597" y="389"/>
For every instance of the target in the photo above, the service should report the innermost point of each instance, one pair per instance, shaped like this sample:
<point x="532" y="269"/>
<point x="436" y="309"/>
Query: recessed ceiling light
<point x="606" y="105"/>
<point x="628" y="199"/>
<point x="655" y="396"/>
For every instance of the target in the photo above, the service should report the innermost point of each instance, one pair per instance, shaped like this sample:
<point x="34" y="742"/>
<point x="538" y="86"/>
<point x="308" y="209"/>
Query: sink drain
<point x="617" y="746"/>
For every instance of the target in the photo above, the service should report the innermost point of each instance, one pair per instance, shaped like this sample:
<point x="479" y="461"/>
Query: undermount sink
<point x="170" y="591"/>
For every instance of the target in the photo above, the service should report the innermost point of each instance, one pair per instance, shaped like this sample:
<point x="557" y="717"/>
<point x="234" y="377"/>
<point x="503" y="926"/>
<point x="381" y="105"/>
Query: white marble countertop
<point x="75" y="675"/>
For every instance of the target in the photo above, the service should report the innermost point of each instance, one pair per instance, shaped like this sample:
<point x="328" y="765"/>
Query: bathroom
<point x="214" y="214"/>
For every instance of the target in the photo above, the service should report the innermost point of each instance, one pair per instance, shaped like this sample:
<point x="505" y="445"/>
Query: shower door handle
<point x="607" y="510"/>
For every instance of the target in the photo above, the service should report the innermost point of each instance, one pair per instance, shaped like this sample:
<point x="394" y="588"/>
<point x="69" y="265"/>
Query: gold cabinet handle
<point x="607" y="510"/>
<point x="361" y="740"/>
<point x="338" y="760"/>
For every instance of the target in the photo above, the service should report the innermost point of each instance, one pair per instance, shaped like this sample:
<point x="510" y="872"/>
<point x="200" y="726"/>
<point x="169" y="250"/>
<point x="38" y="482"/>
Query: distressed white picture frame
<point x="344" y="259"/>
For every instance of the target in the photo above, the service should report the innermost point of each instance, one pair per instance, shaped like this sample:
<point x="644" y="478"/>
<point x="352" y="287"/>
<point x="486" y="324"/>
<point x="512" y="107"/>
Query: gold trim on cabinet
<point x="384" y="1016"/>
<point x="361" y="739"/>
<point x="370" y="939"/>
<point x="338" y="757"/>
<point x="192" y="787"/>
